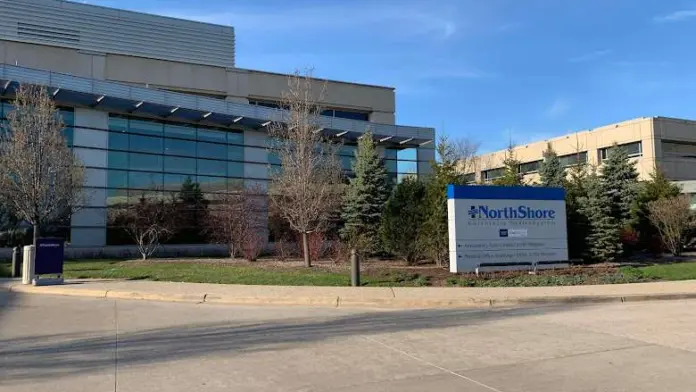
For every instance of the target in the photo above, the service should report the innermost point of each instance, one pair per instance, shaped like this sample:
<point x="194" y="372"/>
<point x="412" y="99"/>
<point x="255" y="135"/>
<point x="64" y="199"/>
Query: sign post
<point x="506" y="228"/>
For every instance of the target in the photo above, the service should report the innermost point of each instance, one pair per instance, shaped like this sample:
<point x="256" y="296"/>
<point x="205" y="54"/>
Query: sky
<point x="493" y="71"/>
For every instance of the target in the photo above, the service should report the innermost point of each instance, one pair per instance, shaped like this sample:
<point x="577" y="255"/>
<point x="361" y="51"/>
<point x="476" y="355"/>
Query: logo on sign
<point x="520" y="212"/>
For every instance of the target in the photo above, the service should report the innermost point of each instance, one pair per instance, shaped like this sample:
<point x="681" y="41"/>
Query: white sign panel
<point x="504" y="226"/>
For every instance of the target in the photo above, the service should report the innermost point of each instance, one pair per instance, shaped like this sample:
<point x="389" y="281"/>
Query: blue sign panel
<point x="49" y="256"/>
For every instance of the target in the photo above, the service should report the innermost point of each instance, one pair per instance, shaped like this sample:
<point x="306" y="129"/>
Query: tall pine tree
<point x="511" y="174"/>
<point x="620" y="181"/>
<point x="551" y="171"/>
<point x="604" y="234"/>
<point x="578" y="225"/>
<point x="192" y="211"/>
<point x="403" y="220"/>
<point x="434" y="236"/>
<point x="365" y="198"/>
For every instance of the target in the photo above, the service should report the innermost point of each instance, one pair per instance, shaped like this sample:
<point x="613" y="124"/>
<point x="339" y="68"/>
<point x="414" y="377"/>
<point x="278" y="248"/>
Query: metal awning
<point x="167" y="105"/>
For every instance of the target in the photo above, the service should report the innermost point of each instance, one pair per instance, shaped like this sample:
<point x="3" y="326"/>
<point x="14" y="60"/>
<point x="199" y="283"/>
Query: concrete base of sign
<point x="39" y="281"/>
<point x="545" y="266"/>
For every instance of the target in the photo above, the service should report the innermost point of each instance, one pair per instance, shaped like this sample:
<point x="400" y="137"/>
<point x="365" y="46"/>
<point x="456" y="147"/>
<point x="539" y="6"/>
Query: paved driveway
<point x="78" y="344"/>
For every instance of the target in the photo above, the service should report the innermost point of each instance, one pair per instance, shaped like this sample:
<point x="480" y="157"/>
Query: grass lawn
<point x="374" y="274"/>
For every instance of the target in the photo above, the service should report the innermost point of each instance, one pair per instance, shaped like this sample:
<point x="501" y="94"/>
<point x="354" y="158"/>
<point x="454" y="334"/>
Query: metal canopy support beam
<point x="174" y="110"/>
<point x="98" y="101"/>
<point x="426" y="143"/>
<point x="136" y="106"/>
<point x="238" y="119"/>
<point x="341" y="133"/>
<point x="206" y="115"/>
<point x="267" y="123"/>
<point x="406" y="141"/>
<point x="318" y="130"/>
<point x="56" y="92"/>
<point x="384" y="139"/>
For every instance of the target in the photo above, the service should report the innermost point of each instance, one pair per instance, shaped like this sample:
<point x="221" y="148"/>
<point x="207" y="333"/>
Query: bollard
<point x="28" y="265"/>
<point x="354" y="268"/>
<point x="16" y="262"/>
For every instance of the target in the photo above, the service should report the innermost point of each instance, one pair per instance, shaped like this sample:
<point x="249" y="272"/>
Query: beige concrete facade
<point x="667" y="143"/>
<point x="234" y="84"/>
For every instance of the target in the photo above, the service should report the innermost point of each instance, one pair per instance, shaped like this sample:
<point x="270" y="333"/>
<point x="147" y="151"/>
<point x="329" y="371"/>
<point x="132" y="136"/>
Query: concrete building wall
<point x="233" y="84"/>
<point x="589" y="141"/>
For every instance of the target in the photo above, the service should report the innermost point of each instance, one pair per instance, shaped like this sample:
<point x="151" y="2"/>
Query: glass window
<point x="273" y="170"/>
<point x="143" y="180"/>
<point x="573" y="159"/>
<point x="234" y="183"/>
<point x="235" y="169"/>
<point x="212" y="168"/>
<point x="146" y="127"/>
<point x="118" y="124"/>
<point x="180" y="131"/>
<point x="212" y="184"/>
<point x="117" y="179"/>
<point x="235" y="138"/>
<point x="391" y="165"/>
<point x="68" y="116"/>
<point x="360" y="116"/>
<point x="408" y="154"/>
<point x="273" y="158"/>
<point x="117" y="160"/>
<point x="407" y="167"/>
<point x="209" y="135"/>
<point x="529" y="167"/>
<point x="348" y="151"/>
<point x="116" y="196"/>
<point x="235" y="153"/>
<point x="211" y="151"/>
<point x="146" y="144"/>
<point x="118" y="141"/>
<point x="145" y="162"/>
<point x="390" y="153"/>
<point x="172" y="182"/>
<point x="68" y="133"/>
<point x="493" y="173"/>
<point x="632" y="149"/>
<point x="346" y="162"/>
<point x="180" y="165"/>
<point x="470" y="177"/>
<point x="179" y="147"/>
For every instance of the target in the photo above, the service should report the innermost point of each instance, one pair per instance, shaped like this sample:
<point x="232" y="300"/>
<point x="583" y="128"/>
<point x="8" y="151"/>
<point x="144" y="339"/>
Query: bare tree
<point x="237" y="221"/>
<point x="149" y="222"/>
<point x="306" y="187"/>
<point x="460" y="150"/>
<point x="40" y="177"/>
<point x="673" y="219"/>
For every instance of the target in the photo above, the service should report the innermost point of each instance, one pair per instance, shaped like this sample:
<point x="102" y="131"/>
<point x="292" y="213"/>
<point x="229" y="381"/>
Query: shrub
<point x="317" y="245"/>
<point x="284" y="249"/>
<point x="252" y="245"/>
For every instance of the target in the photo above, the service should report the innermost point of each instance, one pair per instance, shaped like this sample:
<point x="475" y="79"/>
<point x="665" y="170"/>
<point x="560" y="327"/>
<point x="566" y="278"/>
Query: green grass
<point x="202" y="273"/>
<point x="253" y="275"/>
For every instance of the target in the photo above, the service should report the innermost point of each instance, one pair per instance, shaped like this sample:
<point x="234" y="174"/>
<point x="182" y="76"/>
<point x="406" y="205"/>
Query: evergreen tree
<point x="620" y="181"/>
<point x="551" y="171"/>
<point x="604" y="236"/>
<point x="578" y="226"/>
<point x="434" y="236"/>
<point x="656" y="188"/>
<point x="192" y="212"/>
<point x="511" y="175"/>
<point x="365" y="198"/>
<point x="403" y="219"/>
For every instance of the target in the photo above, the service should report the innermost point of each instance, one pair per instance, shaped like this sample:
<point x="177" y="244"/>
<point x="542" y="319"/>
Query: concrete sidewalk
<point x="371" y="297"/>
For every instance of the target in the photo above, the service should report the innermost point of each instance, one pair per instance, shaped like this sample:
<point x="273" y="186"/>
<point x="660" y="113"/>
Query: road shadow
<point x="44" y="357"/>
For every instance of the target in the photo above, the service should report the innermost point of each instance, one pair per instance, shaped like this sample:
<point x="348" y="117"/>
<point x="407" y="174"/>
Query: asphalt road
<point x="78" y="344"/>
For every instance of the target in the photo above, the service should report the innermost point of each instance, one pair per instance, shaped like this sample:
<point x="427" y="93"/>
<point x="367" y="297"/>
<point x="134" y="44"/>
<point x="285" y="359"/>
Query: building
<point x="666" y="143"/>
<point x="152" y="100"/>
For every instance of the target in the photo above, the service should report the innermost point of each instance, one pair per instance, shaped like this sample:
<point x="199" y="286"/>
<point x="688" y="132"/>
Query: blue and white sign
<point x="505" y="225"/>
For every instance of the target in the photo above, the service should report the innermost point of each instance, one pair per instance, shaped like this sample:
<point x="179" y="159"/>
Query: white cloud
<point x="589" y="56"/>
<point x="558" y="108"/>
<point x="676" y="16"/>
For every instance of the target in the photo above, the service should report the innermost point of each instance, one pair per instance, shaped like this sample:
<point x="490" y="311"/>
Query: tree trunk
<point x="305" y="248"/>
<point x="36" y="234"/>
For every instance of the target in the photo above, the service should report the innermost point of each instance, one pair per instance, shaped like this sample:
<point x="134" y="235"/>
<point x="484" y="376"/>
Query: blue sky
<point x="489" y="70"/>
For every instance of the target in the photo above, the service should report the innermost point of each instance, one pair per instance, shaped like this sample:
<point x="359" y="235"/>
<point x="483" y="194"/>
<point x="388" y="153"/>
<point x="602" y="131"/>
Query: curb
<point x="349" y="302"/>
